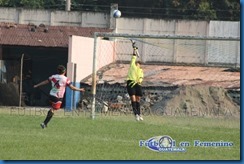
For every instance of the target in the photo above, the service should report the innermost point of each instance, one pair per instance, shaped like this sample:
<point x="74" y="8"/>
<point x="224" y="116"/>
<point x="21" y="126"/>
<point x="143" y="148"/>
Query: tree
<point x="9" y="3"/>
<point x="163" y="9"/>
<point x="54" y="4"/>
<point x="33" y="4"/>
<point x="205" y="12"/>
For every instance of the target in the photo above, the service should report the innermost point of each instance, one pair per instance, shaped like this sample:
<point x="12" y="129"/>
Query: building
<point x="39" y="49"/>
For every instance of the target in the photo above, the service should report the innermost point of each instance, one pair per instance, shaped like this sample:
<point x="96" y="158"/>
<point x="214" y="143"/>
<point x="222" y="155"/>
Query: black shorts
<point x="54" y="99"/>
<point x="55" y="102"/>
<point x="134" y="90"/>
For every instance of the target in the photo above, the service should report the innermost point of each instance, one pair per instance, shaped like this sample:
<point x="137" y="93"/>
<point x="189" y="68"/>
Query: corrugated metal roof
<point x="57" y="36"/>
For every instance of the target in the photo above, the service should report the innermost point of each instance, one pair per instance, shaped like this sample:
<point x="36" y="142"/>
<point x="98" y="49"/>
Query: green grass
<point x="72" y="136"/>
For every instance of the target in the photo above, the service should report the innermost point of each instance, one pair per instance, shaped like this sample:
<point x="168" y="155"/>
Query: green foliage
<point x="33" y="4"/>
<point x="205" y="12"/>
<point x="10" y="3"/>
<point x="54" y="4"/>
<point x="163" y="9"/>
<point x="75" y="136"/>
<point x="4" y="2"/>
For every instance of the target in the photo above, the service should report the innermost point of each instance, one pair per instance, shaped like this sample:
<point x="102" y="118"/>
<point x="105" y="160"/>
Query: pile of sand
<point x="200" y="100"/>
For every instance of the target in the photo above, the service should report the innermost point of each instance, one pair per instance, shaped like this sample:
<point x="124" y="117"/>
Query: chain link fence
<point x="183" y="75"/>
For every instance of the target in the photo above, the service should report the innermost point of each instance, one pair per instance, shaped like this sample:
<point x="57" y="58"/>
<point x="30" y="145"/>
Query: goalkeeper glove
<point x="133" y="44"/>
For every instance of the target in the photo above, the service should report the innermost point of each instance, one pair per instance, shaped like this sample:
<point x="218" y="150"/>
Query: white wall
<point x="81" y="54"/>
<point x="182" y="51"/>
<point x="54" y="17"/>
<point x="229" y="52"/>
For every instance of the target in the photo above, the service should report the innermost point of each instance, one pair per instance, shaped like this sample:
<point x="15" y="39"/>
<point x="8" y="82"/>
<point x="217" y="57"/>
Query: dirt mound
<point x="202" y="100"/>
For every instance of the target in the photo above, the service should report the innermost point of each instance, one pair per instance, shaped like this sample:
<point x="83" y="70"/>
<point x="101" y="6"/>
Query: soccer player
<point x="59" y="82"/>
<point x="134" y="80"/>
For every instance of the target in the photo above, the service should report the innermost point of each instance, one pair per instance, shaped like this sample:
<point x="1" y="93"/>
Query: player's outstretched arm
<point x="76" y="89"/>
<point x="41" y="83"/>
<point x="135" y="51"/>
<point x="135" y="48"/>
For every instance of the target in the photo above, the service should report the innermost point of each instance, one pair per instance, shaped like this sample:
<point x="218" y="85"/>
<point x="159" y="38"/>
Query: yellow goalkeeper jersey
<point x="135" y="73"/>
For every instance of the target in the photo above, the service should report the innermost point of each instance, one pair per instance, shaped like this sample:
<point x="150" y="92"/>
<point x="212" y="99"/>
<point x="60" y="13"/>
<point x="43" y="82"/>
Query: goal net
<point x="169" y="62"/>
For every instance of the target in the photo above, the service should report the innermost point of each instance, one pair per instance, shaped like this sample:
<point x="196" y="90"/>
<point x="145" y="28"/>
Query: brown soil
<point x="202" y="91"/>
<point x="201" y="100"/>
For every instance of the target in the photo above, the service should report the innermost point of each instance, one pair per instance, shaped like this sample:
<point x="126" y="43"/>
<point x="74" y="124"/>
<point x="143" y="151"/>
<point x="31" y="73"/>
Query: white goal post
<point x="175" y="49"/>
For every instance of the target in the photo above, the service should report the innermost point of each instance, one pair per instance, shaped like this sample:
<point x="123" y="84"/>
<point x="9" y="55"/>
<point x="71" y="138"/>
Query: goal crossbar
<point x="122" y="35"/>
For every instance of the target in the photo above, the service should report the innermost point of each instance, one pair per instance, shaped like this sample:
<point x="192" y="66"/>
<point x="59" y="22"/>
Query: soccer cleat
<point x="137" y="117"/>
<point x="43" y="125"/>
<point x="140" y="118"/>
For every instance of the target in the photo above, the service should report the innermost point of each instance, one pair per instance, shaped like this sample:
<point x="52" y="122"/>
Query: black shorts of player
<point x="133" y="89"/>
<point x="54" y="99"/>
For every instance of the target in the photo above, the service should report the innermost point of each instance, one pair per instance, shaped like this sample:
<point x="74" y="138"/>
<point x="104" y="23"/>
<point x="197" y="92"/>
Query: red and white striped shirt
<point x="59" y="83"/>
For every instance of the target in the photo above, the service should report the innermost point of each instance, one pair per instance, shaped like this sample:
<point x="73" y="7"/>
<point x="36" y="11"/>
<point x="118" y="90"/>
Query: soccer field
<point x="75" y="136"/>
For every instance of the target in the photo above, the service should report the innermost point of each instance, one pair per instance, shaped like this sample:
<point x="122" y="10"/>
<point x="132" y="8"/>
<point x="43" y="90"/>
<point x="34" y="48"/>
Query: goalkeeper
<point x="134" y="80"/>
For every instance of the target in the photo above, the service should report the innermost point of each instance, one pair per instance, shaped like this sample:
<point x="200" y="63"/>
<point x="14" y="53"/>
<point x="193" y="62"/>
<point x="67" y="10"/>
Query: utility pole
<point x="68" y="4"/>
